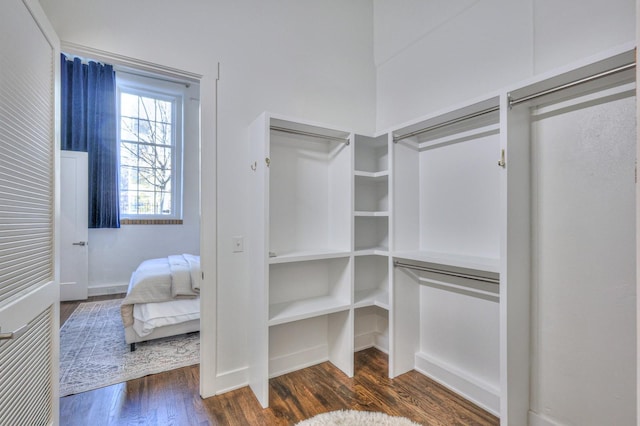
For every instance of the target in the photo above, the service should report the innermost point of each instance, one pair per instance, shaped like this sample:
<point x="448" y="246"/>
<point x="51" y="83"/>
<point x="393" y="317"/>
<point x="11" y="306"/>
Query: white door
<point x="74" y="218"/>
<point x="29" y="298"/>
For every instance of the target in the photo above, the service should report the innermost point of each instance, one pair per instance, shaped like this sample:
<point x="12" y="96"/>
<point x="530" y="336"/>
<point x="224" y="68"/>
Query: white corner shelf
<point x="371" y="251"/>
<point x="305" y="256"/>
<point x="375" y="176"/>
<point x="282" y="313"/>
<point x="371" y="297"/>
<point x="362" y="213"/>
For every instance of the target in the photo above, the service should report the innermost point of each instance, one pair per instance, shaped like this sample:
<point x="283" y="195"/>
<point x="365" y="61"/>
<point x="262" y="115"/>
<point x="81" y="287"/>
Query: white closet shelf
<point x="281" y="313"/>
<point x="371" y="251"/>
<point x="371" y="297"/>
<point x="363" y="213"/>
<point x="486" y="264"/>
<point x="375" y="176"/>
<point x="304" y="256"/>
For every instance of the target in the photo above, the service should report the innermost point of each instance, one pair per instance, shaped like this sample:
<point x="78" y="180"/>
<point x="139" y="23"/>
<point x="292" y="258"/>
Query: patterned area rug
<point x="356" y="418"/>
<point x="93" y="353"/>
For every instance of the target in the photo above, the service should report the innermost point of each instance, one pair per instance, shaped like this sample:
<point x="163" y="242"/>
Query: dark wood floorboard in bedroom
<point x="172" y="398"/>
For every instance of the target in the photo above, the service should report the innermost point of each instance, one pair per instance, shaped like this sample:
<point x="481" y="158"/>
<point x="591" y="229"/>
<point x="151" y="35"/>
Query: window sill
<point x="150" y="221"/>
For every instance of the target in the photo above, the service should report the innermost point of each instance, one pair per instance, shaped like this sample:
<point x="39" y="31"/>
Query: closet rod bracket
<point x="502" y="163"/>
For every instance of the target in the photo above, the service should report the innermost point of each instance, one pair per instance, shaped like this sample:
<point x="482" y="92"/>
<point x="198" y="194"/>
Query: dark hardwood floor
<point x="172" y="398"/>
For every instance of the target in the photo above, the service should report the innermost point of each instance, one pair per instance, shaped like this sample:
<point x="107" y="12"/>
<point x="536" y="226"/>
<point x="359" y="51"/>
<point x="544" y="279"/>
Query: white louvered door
<point x="29" y="295"/>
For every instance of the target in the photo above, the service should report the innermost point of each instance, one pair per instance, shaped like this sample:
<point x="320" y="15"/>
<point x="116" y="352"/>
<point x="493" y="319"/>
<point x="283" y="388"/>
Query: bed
<point x="163" y="299"/>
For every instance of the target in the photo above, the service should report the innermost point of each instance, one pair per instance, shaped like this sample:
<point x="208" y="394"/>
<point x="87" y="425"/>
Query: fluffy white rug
<point x="356" y="418"/>
<point x="93" y="352"/>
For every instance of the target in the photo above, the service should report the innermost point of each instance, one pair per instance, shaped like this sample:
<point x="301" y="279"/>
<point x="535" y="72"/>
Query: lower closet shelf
<point x="282" y="313"/>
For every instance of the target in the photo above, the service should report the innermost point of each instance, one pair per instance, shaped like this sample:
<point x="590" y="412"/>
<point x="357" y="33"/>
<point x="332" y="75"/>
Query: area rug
<point x="94" y="354"/>
<point x="356" y="418"/>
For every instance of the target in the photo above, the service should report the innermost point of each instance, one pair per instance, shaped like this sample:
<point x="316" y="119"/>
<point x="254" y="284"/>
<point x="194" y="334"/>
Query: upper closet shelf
<point x="308" y="131"/>
<point x="371" y="251"/>
<point x="381" y="175"/>
<point x="446" y="127"/>
<point x="484" y="264"/>
<point x="363" y="213"/>
<point x="303" y="256"/>
<point x="491" y="129"/>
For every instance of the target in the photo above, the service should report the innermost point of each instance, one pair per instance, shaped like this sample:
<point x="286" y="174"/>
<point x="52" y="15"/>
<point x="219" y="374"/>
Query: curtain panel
<point x="89" y="124"/>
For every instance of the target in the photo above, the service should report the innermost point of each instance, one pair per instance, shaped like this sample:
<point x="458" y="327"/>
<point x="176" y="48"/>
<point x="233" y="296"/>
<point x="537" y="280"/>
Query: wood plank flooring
<point x="172" y="398"/>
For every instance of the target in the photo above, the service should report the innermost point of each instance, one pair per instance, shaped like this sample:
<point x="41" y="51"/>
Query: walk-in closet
<point x="469" y="245"/>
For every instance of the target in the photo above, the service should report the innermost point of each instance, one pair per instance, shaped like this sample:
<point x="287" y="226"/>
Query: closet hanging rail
<point x="399" y="264"/>
<point x="598" y="76"/>
<point x="310" y="134"/>
<point x="397" y="138"/>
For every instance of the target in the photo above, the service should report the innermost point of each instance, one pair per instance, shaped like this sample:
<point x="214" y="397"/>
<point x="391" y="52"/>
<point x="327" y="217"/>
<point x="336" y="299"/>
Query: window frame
<point x="157" y="88"/>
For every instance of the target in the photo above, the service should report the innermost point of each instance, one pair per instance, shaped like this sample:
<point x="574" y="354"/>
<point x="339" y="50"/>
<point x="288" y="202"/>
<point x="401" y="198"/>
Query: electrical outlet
<point x="238" y="244"/>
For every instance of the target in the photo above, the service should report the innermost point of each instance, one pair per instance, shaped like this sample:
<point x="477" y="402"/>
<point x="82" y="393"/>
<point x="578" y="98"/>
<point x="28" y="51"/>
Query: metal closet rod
<point x="513" y="102"/>
<point x="313" y="135"/>
<point x="603" y="74"/>
<point x="446" y="123"/>
<point x="449" y="273"/>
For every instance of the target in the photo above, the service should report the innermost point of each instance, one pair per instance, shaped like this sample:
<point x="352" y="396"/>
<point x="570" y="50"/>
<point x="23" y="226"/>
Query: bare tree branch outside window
<point x="146" y="153"/>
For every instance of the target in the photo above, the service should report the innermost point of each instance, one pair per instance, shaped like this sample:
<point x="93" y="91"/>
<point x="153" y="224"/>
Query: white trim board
<point x="471" y="388"/>
<point x="107" y="289"/>
<point x="232" y="380"/>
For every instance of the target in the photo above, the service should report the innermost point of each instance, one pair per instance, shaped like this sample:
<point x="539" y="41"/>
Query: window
<point x="150" y="133"/>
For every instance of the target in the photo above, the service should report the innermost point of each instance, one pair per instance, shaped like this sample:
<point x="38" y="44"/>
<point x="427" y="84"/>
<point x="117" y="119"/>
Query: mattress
<point x="148" y="316"/>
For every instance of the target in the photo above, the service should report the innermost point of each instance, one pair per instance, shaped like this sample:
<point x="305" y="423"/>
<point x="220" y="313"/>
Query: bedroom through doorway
<point x="155" y="120"/>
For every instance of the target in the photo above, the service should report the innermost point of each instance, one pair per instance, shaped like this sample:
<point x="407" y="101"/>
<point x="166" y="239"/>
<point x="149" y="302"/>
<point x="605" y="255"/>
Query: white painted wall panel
<point x="462" y="333"/>
<point x="485" y="47"/>
<point x="459" y="198"/>
<point x="567" y="31"/>
<point x="437" y="54"/>
<point x="584" y="339"/>
<point x="400" y="24"/>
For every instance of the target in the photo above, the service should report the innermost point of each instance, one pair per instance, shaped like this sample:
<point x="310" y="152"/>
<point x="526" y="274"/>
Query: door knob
<point x="79" y="243"/>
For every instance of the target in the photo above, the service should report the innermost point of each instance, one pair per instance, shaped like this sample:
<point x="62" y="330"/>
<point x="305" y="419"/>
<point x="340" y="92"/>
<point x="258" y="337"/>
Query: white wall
<point x="430" y="55"/>
<point x="583" y="295"/>
<point x="307" y="59"/>
<point x="115" y="253"/>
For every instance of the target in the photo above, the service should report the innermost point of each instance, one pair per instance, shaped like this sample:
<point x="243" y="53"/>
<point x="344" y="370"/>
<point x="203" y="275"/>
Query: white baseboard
<point x="295" y="361"/>
<point x="371" y="340"/>
<point x="73" y="291"/>
<point x="107" y="289"/>
<point x="232" y="380"/>
<point x="471" y="388"/>
<point x="364" y="341"/>
<point x="536" y="419"/>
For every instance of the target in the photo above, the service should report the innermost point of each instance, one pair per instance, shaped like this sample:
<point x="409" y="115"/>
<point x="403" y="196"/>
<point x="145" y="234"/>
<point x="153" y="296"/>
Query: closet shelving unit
<point x="416" y="241"/>
<point x="371" y="242"/>
<point x="301" y="248"/>
<point x="371" y="192"/>
<point x="446" y="249"/>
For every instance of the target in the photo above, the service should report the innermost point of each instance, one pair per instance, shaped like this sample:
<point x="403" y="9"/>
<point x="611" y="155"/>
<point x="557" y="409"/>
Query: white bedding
<point x="148" y="316"/>
<point x="176" y="277"/>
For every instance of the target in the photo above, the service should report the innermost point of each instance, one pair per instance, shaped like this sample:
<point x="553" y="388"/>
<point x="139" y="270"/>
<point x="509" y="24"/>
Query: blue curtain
<point x="88" y="93"/>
